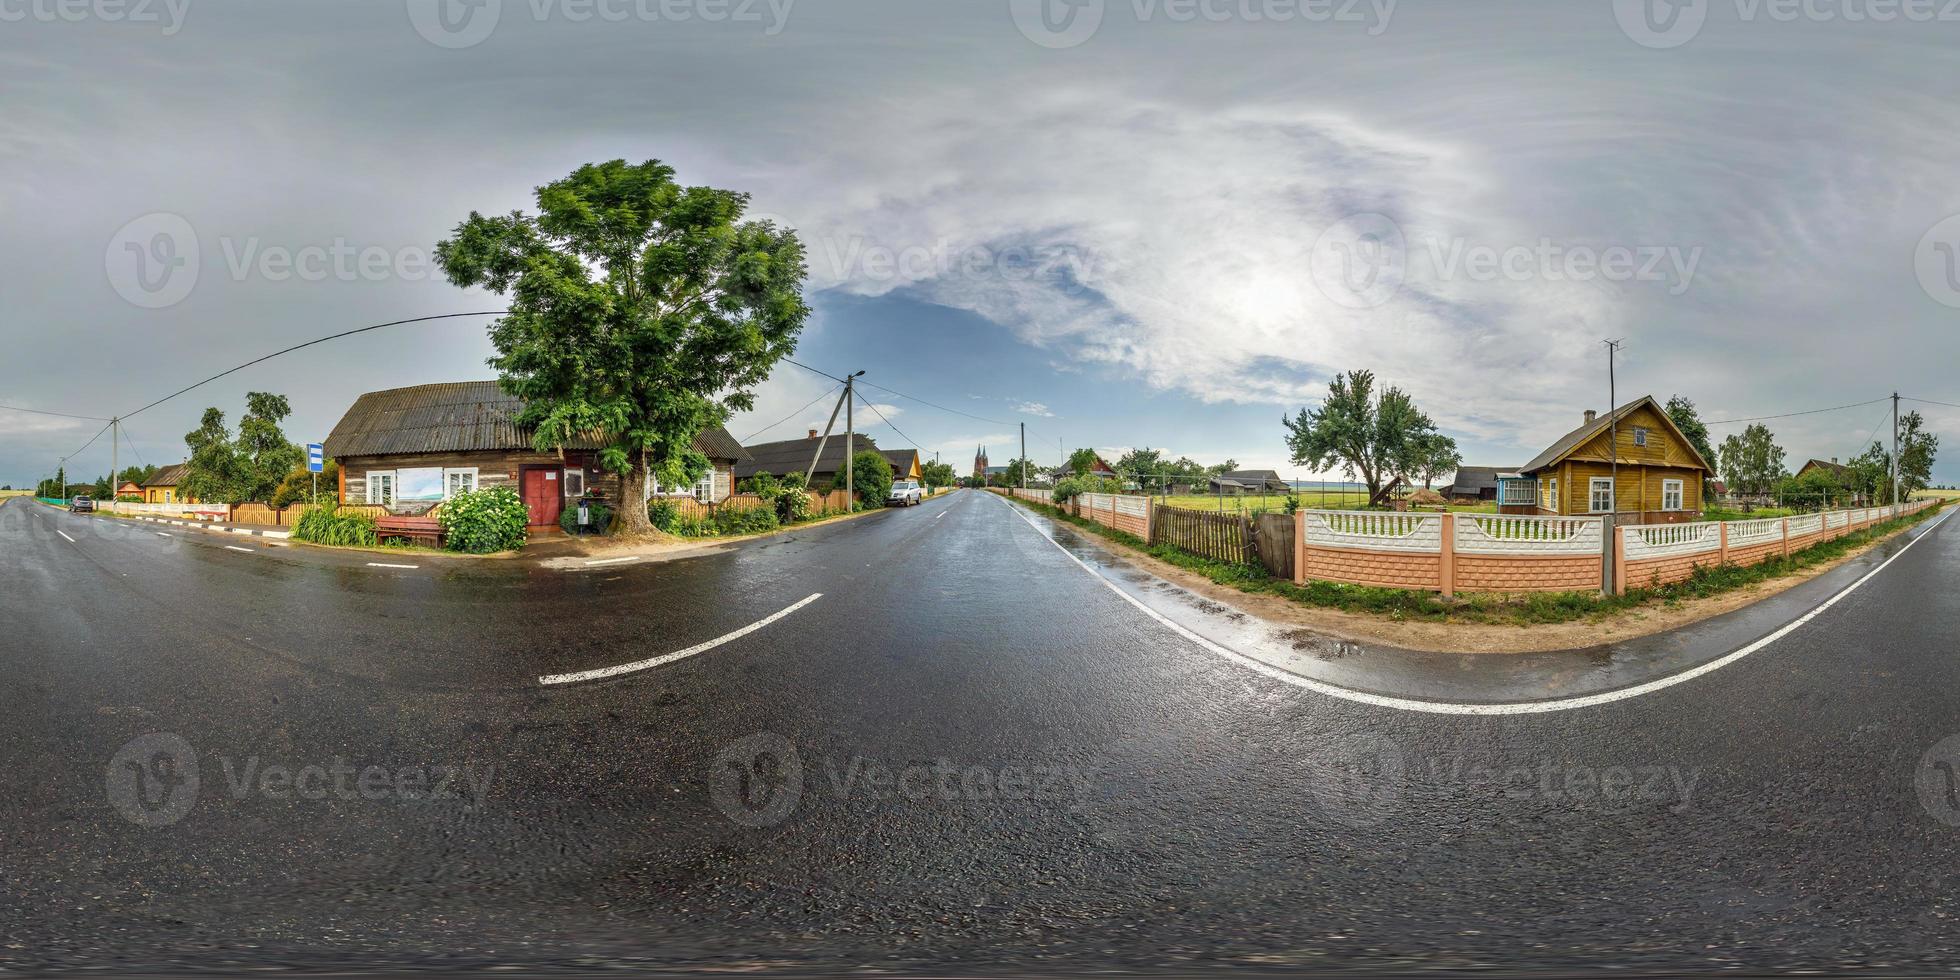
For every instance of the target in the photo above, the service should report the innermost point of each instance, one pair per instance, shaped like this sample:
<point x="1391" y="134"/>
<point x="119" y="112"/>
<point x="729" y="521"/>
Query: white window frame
<point x="367" y="489"/>
<point x="704" y="488"/>
<point x="450" y="472"/>
<point x="1679" y="490"/>
<point x="1639" y="435"/>
<point x="574" y="474"/>
<point x="1551" y="486"/>
<point x="1592" y="495"/>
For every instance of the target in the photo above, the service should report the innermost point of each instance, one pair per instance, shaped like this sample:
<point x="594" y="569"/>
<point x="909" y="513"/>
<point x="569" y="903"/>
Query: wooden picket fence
<point x="820" y="503"/>
<point x="1272" y="540"/>
<point x="1224" y="537"/>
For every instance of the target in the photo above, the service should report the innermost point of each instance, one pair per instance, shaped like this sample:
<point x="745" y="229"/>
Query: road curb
<point x="248" y="532"/>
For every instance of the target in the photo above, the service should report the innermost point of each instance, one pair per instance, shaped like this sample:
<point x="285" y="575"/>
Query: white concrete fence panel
<point x="1483" y="534"/>
<point x="1374" y="531"/>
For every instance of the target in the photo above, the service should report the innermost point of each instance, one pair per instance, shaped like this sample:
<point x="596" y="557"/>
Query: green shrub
<point x="600" y="514"/>
<point x="326" y="524"/>
<point x="753" y="521"/>
<point x="484" y="521"/>
<point x="664" y="515"/>
<point x="871" y="478"/>
<point x="1070" y="487"/>
<point x="791" y="501"/>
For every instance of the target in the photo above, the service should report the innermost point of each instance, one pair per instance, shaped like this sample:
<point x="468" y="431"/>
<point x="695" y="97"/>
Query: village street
<point x="973" y="746"/>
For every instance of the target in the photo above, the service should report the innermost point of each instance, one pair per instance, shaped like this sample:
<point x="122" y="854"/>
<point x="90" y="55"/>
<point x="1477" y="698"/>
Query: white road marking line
<point x="383" y="564"/>
<point x="604" y="672"/>
<point x="613" y="561"/>
<point x="160" y="534"/>
<point x="64" y="534"/>
<point x="1447" y="708"/>
<point x="233" y="547"/>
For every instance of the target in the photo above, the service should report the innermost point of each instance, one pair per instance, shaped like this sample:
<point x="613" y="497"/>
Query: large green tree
<point x="1082" y="461"/>
<point x="1752" y="462"/>
<point x="641" y="310"/>
<point x="248" y="468"/>
<point x="1377" y="438"/>
<point x="1917" y="449"/>
<point x="937" y="474"/>
<point x="1685" y="417"/>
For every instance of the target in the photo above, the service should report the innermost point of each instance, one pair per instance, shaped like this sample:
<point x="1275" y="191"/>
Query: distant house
<point x="1476" y="482"/>
<point x="905" y="463"/>
<point x="1248" y="481"/>
<point x="794" y="455"/>
<point x="1660" y="474"/>
<point x="1099" y="468"/>
<point x="1839" y="472"/>
<point x="161" y="487"/>
<point x="409" y="449"/>
<point x="129" y="489"/>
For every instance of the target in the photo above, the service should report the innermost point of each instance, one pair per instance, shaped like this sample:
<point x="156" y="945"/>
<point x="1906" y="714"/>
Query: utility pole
<point x="1024" y="455"/>
<point x="1613" y="426"/>
<point x="115" y="430"/>
<point x="1895" y="449"/>
<point x="850" y="441"/>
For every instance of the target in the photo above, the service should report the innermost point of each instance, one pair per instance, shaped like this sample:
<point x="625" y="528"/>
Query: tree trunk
<point x="633" y="522"/>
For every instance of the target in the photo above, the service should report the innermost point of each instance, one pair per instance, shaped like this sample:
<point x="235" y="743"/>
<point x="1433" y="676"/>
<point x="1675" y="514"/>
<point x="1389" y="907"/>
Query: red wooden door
<point x="543" y="496"/>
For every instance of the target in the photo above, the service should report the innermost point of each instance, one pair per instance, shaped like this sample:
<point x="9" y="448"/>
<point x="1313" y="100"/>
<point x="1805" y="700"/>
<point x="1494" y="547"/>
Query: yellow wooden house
<point x="162" y="487"/>
<point x="1660" y="473"/>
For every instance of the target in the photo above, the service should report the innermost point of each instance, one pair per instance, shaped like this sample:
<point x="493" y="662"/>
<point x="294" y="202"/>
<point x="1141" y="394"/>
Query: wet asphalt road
<point x="968" y="755"/>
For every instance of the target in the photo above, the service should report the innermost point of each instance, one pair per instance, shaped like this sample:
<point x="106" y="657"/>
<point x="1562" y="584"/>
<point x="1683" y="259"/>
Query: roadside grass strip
<point x="1449" y="708"/>
<point x="602" y="673"/>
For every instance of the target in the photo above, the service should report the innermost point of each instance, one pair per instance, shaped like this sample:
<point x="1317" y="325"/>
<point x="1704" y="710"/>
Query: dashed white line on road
<point x="233" y="547"/>
<point x="64" y="534"/>
<point x="605" y="672"/>
<point x="383" y="564"/>
<point x="613" y="561"/>
<point x="161" y="534"/>
<point x="1447" y="708"/>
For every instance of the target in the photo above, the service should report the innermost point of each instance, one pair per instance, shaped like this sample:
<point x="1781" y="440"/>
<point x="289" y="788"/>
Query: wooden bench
<point x="415" y="529"/>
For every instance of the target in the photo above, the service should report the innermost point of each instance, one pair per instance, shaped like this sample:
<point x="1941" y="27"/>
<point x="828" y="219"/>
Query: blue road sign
<point x="316" y="457"/>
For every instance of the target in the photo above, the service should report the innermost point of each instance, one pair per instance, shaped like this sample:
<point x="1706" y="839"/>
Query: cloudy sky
<point x="1122" y="222"/>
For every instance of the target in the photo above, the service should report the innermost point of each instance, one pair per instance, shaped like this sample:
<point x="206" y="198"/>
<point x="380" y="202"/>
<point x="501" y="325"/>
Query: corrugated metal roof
<point x="457" y="417"/>
<point x="793" y="456"/>
<point x="168" y="476"/>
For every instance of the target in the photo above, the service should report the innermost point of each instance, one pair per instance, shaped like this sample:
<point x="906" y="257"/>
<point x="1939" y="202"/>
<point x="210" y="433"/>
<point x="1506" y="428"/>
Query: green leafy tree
<point x="1082" y="461"/>
<point x="1215" y="469"/>
<point x="1016" y="469"/>
<point x="212" y="473"/>
<point x="1144" y="465"/>
<point x="1869" y="474"/>
<point x="297" y="487"/>
<point x="1436" y="454"/>
<point x="640" y="309"/>
<point x="265" y="456"/>
<point x="1374" y="438"/>
<point x="1813" y="490"/>
<point x="871" y="477"/>
<point x="1917" y="449"/>
<point x="937" y="474"/>
<point x="1752" y="462"/>
<point x="1682" y="413"/>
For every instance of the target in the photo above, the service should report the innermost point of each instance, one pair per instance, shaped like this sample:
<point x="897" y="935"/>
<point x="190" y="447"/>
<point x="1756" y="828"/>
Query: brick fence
<point x="1451" y="553"/>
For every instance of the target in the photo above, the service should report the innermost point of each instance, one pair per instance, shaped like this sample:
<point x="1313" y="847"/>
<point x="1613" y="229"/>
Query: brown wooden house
<point x="409" y="449"/>
<point x="1660" y="473"/>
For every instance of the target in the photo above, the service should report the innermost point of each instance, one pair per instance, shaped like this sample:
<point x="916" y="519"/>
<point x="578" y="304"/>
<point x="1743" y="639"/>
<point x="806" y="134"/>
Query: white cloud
<point x="1034" y="408"/>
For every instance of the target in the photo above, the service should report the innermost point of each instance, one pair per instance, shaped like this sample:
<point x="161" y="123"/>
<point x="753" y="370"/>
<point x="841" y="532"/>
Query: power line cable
<point x="1928" y="401"/>
<point x="791" y="415"/>
<point x="310" y="343"/>
<point x="127" y="441"/>
<point x="1787" y="415"/>
<point x="59" y="415"/>
<point x="955" y="411"/>
<point x="901" y="434"/>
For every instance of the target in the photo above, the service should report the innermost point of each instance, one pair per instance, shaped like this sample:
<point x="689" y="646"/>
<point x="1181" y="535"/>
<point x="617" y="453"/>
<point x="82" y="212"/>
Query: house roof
<point x="793" y="456"/>
<point x="1577" y="437"/>
<point x="1469" y="479"/>
<point x="902" y="460"/>
<point x="1836" y="469"/>
<point x="1250" y="477"/>
<point x="168" y="476"/>
<point x="465" y="416"/>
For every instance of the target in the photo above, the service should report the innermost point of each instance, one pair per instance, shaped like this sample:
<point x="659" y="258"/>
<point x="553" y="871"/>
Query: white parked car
<point x="904" y="493"/>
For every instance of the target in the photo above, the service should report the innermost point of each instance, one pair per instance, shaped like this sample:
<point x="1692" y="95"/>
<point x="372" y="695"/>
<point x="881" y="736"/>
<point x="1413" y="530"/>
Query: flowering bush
<point x="484" y="521"/>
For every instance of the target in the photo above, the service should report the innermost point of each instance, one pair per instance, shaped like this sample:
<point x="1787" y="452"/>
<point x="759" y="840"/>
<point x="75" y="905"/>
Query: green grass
<point x="1721" y="514"/>
<point x="1492" y="608"/>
